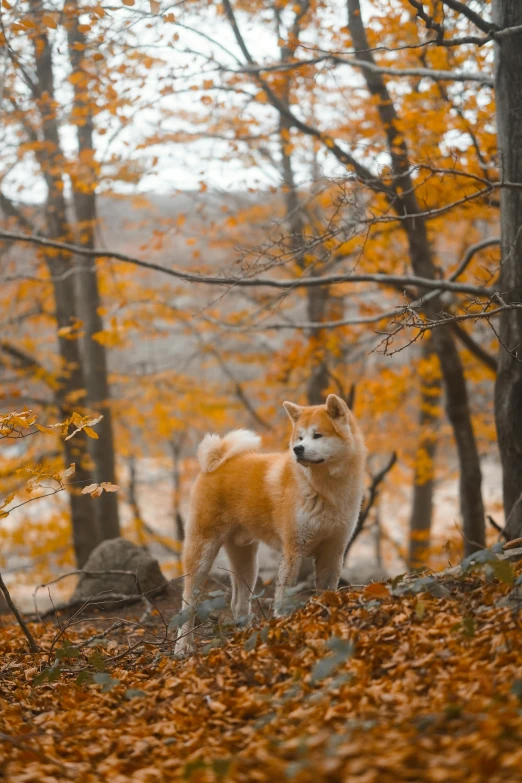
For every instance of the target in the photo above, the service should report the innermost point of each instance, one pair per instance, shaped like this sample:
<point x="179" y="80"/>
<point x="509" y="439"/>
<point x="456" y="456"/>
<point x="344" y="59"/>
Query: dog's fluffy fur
<point x="304" y="501"/>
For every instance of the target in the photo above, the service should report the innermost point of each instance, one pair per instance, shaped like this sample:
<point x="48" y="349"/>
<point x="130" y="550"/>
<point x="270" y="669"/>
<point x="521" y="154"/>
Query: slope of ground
<point x="417" y="680"/>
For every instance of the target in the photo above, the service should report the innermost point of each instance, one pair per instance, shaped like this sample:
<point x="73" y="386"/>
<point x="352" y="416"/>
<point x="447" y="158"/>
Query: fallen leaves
<point x="354" y="687"/>
<point x="376" y="590"/>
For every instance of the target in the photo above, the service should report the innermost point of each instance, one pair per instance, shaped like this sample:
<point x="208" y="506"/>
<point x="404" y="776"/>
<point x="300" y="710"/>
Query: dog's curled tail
<point x="213" y="451"/>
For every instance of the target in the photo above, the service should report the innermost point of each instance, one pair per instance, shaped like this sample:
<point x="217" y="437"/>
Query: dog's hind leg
<point x="198" y="555"/>
<point x="243" y="568"/>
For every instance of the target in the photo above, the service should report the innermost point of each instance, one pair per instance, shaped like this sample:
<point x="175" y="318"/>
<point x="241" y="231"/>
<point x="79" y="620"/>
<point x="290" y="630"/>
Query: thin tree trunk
<point x="422" y="503"/>
<point x="133" y="502"/>
<point x="87" y="292"/>
<point x="421" y="256"/>
<point x="70" y="391"/>
<point x="508" y="387"/>
<point x="179" y="528"/>
<point x="316" y="298"/>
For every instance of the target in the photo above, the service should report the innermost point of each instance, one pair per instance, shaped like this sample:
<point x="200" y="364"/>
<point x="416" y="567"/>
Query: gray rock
<point x="117" y="554"/>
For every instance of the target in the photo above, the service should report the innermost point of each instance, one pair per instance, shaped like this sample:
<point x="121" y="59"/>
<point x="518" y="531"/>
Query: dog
<point x="303" y="502"/>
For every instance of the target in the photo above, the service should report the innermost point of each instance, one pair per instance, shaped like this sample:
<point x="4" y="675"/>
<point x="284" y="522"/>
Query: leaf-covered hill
<point x="419" y="681"/>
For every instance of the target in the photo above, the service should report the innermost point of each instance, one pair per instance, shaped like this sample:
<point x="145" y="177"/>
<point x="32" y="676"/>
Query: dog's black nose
<point x="298" y="451"/>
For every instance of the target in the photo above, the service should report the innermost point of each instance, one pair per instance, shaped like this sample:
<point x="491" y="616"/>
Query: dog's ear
<point x="336" y="408"/>
<point x="294" y="411"/>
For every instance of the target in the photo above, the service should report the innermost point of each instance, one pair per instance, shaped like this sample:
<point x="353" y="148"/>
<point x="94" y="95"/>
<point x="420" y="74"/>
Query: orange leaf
<point x="89" y="488"/>
<point x="49" y="20"/>
<point x="108" y="487"/>
<point x="70" y="470"/>
<point x="376" y="590"/>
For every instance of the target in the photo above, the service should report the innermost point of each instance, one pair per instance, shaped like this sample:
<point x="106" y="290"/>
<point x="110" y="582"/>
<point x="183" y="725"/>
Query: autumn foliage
<point x="207" y="208"/>
<point x="417" y="680"/>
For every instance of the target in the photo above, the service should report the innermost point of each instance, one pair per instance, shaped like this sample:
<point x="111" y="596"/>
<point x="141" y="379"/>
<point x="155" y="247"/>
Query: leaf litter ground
<point x="405" y="682"/>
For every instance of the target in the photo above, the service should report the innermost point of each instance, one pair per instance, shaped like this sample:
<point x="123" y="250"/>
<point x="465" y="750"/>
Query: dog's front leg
<point x="287" y="576"/>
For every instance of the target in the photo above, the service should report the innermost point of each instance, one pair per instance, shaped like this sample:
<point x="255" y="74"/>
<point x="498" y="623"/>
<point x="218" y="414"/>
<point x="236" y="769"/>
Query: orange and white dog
<point x="304" y="502"/>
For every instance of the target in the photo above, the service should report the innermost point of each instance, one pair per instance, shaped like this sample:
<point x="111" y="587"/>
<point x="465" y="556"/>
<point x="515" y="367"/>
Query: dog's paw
<point x="184" y="646"/>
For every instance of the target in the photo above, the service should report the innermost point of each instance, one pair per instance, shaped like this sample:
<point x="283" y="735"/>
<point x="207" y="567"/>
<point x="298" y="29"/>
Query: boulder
<point x="117" y="554"/>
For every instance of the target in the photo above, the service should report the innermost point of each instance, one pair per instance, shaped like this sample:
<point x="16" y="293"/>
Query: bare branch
<point x="473" y="347"/>
<point x="436" y="75"/>
<point x="483" y="24"/>
<point x="493" y="34"/>
<point x="372" y="496"/>
<point x="253" y="282"/>
<point x="470" y="252"/>
<point x="342" y="156"/>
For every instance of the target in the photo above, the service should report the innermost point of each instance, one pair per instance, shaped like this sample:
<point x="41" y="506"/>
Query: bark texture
<point x="423" y="484"/>
<point x="404" y="202"/>
<point x="508" y="387"/>
<point x="70" y="391"/>
<point x="86" y="288"/>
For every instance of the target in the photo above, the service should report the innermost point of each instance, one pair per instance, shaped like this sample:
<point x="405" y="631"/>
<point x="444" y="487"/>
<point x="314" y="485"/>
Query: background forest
<point x="208" y="208"/>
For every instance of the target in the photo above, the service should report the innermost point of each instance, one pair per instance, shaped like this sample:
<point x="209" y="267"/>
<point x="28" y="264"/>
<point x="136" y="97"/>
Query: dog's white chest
<point x="316" y="518"/>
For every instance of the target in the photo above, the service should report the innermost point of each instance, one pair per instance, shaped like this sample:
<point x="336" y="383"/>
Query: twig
<point x="248" y="588"/>
<point x="372" y="496"/>
<point x="33" y="646"/>
<point x="78" y="572"/>
<point x="497" y="527"/>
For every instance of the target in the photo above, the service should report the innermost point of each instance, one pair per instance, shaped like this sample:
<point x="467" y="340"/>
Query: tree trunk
<point x="422" y="504"/>
<point x="70" y="390"/>
<point x="508" y="386"/>
<point x="133" y="502"/>
<point x="405" y="204"/>
<point x="179" y="528"/>
<point x="316" y="298"/>
<point x="87" y="293"/>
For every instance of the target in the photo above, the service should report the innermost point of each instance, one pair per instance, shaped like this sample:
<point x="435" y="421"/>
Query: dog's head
<point x="322" y="433"/>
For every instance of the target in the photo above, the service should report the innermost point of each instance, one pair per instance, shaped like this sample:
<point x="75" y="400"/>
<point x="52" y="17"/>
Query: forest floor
<point x="416" y="680"/>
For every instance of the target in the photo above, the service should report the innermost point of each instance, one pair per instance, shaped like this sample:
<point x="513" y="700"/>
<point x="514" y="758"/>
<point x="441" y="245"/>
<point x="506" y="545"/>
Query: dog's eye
<point x="300" y="437"/>
<point x="317" y="435"/>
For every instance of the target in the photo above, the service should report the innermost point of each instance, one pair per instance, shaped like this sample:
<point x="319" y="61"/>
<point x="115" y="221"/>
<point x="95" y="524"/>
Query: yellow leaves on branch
<point x="95" y="490"/>
<point x="5" y="503"/>
<point x="73" y="331"/>
<point x="12" y="424"/>
<point x="82" y="424"/>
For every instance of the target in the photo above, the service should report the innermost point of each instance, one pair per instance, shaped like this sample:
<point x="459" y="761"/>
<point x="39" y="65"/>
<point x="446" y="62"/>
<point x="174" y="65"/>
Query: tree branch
<point x="342" y="156"/>
<point x="372" y="496"/>
<point x="483" y="25"/>
<point x="11" y="210"/>
<point x="436" y="75"/>
<point x="251" y="282"/>
<point x="493" y="34"/>
<point x="473" y="347"/>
